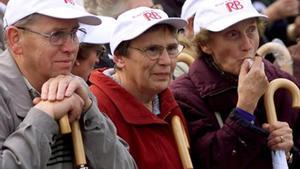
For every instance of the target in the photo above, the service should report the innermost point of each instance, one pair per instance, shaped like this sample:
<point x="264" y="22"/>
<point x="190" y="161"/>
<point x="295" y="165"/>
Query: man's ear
<point x="13" y="37"/>
<point x="119" y="61"/>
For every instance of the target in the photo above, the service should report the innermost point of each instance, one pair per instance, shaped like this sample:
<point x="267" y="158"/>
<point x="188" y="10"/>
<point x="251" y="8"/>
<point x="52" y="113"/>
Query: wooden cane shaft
<point x="64" y="125"/>
<point x="182" y="142"/>
<point x="78" y="144"/>
<point x="269" y="94"/>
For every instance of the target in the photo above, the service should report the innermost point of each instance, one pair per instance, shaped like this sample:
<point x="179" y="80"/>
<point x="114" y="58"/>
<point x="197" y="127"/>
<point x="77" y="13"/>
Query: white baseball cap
<point x="134" y="22"/>
<point x="99" y="34"/>
<point x="217" y="15"/>
<point x="62" y="9"/>
<point x="189" y="8"/>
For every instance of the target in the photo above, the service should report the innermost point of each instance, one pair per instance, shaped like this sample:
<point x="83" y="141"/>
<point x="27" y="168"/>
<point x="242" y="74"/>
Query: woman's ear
<point x="13" y="38"/>
<point x="205" y="47"/>
<point x="119" y="61"/>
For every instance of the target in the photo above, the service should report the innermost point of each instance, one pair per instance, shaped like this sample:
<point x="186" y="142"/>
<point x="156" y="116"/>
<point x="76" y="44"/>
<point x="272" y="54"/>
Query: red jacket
<point x="150" y="137"/>
<point x="238" y="144"/>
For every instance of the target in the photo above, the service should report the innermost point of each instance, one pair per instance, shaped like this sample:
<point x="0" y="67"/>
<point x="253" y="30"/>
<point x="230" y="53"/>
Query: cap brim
<point x="70" y="13"/>
<point x="99" y="34"/>
<point x="231" y="20"/>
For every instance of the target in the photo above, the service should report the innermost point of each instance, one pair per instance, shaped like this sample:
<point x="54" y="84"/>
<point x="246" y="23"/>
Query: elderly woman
<point x="135" y="94"/>
<point x="91" y="48"/>
<point x="220" y="95"/>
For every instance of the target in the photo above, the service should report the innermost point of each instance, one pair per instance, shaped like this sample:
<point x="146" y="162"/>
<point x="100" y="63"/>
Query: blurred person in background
<point x="186" y="36"/>
<point x="171" y="7"/>
<point x="112" y="8"/>
<point x="2" y="10"/>
<point x="281" y="14"/>
<point x="91" y="48"/>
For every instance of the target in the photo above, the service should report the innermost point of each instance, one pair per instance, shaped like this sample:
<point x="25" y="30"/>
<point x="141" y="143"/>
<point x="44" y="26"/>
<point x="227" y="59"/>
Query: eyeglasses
<point x="60" y="37"/>
<point x="155" y="51"/>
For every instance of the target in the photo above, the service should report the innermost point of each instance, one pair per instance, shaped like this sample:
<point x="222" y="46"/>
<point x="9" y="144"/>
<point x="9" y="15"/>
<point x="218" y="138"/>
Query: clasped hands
<point x="64" y="94"/>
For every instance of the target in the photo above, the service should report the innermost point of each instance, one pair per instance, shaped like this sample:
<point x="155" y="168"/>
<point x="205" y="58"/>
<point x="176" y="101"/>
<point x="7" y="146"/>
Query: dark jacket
<point x="239" y="144"/>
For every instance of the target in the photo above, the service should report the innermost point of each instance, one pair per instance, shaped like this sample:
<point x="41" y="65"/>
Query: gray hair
<point x="22" y="23"/>
<point x="111" y="8"/>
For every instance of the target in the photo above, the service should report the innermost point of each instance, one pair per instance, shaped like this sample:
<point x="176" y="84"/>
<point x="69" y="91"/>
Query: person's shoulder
<point x="181" y="82"/>
<point x="6" y="103"/>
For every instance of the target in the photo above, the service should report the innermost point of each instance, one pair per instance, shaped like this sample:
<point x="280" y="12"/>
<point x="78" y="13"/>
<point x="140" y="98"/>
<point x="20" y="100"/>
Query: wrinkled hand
<point x="62" y="86"/>
<point x="252" y="84"/>
<point x="281" y="137"/>
<point x="72" y="106"/>
<point x="281" y="9"/>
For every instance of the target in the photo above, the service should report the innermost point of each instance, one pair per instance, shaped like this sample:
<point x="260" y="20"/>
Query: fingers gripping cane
<point x="182" y="142"/>
<point x="278" y="157"/>
<point x="77" y="140"/>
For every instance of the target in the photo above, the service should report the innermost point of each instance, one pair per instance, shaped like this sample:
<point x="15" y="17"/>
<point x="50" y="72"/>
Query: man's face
<point x="42" y="59"/>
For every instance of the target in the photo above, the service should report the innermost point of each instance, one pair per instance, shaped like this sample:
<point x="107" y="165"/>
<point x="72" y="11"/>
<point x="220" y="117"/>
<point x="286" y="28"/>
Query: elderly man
<point x="42" y="45"/>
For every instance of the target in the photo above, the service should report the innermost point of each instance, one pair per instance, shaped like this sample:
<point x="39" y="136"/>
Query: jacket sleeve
<point x="234" y="145"/>
<point x="103" y="147"/>
<point x="25" y="145"/>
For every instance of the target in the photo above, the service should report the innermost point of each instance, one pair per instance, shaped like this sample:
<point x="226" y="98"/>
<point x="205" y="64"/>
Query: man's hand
<point x="72" y="106"/>
<point x="62" y="86"/>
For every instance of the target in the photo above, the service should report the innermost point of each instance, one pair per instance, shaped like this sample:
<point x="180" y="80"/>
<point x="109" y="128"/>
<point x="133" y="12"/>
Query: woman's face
<point x="83" y="67"/>
<point x="143" y="74"/>
<point x="231" y="46"/>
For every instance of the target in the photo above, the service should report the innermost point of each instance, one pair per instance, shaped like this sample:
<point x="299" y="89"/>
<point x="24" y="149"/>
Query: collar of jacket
<point x="208" y="79"/>
<point x="130" y="108"/>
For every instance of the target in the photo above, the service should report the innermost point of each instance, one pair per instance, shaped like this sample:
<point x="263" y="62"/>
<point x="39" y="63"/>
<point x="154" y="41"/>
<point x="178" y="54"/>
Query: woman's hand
<point x="281" y="136"/>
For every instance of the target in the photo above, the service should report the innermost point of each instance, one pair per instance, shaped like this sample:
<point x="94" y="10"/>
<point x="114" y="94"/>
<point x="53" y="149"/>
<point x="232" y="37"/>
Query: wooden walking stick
<point x="268" y="98"/>
<point x="182" y="142"/>
<point x="280" y="157"/>
<point x="77" y="140"/>
<point x="283" y="59"/>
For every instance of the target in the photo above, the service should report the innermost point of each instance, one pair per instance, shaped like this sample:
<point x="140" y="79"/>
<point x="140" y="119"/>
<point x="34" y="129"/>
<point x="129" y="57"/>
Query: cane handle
<point x="283" y="59"/>
<point x="184" y="57"/>
<point x="268" y="98"/>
